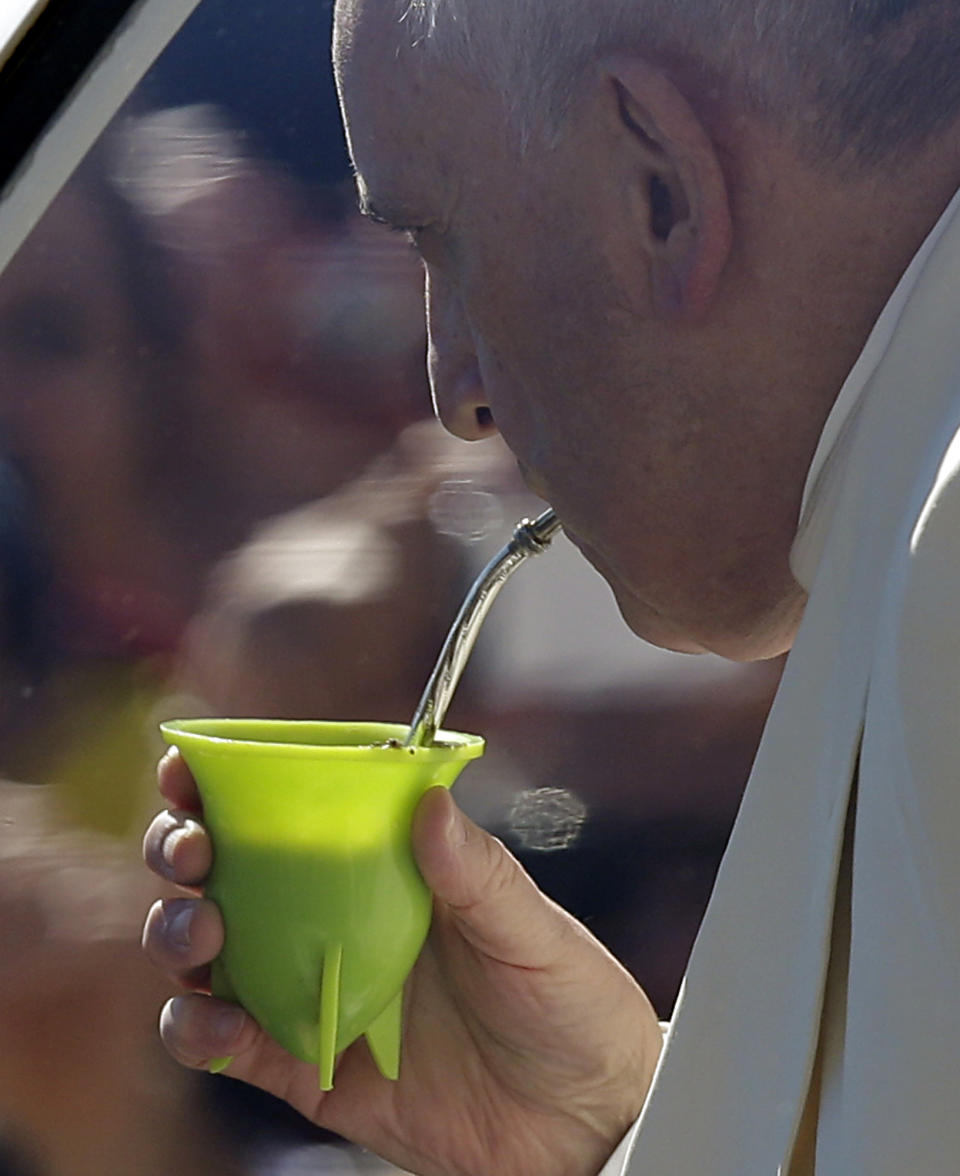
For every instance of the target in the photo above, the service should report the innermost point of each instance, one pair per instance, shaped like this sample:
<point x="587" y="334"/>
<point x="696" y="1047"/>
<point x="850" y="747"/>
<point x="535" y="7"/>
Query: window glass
<point x="222" y="492"/>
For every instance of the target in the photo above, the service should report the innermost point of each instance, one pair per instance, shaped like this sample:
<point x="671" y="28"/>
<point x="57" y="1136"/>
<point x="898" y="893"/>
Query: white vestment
<point x="833" y="948"/>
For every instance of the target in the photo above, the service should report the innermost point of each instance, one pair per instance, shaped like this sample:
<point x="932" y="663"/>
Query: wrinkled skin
<point x="527" y="1048"/>
<point x="662" y="375"/>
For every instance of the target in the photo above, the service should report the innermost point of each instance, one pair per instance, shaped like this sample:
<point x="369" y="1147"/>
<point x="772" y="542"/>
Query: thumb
<point x="499" y="909"/>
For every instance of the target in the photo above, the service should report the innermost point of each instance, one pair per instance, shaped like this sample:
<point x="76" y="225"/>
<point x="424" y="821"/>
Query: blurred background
<point x="221" y="492"/>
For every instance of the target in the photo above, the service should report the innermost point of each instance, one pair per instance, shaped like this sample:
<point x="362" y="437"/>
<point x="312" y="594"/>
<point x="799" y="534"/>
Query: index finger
<point x="176" y="784"/>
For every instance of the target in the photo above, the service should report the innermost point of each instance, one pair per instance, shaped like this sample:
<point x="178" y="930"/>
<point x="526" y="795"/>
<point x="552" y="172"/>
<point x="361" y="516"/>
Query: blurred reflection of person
<point x="182" y="353"/>
<point x="168" y="376"/>
<point x="94" y="594"/>
<point x="86" y="344"/>
<point x="80" y="1077"/>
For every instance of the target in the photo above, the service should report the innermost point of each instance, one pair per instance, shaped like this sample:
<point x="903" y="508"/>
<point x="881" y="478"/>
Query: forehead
<point x="408" y="117"/>
<point x="382" y="78"/>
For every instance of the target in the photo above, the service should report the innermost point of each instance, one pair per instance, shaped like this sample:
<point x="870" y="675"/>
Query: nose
<point x="459" y="398"/>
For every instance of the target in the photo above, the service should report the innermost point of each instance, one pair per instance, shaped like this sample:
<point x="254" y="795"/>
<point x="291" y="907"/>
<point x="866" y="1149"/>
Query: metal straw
<point x="529" y="538"/>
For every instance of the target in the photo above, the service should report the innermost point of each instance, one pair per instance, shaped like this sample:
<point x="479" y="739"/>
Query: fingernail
<point x="227" y="1024"/>
<point x="456" y="827"/>
<point x="177" y="923"/>
<point x="169" y="847"/>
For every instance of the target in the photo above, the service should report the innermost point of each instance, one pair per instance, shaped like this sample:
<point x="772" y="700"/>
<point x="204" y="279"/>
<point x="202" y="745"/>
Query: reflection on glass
<point x="219" y="485"/>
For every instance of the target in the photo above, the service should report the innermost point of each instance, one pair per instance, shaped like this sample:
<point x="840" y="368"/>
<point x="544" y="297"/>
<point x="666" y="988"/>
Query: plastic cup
<point x="324" y="909"/>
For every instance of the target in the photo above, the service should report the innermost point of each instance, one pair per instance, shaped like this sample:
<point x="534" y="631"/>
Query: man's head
<point x="654" y="245"/>
<point x="850" y="80"/>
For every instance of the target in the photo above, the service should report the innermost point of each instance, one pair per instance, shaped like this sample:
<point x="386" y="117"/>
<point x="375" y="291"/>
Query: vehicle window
<point x="222" y="491"/>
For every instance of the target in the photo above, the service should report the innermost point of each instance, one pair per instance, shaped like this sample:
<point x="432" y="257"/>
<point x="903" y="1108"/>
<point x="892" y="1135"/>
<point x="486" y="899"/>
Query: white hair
<point x="852" y="80"/>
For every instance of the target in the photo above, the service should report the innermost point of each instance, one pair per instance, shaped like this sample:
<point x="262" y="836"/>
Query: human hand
<point x="527" y="1048"/>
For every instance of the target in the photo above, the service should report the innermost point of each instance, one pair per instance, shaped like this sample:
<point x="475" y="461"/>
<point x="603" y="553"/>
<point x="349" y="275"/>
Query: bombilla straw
<point x="529" y="538"/>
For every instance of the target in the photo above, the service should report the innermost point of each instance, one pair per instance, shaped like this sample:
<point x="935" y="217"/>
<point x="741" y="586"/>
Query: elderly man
<point x="658" y="234"/>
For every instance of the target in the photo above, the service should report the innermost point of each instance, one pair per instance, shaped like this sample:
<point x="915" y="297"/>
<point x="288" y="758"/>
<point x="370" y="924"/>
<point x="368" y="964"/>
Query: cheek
<point x="515" y="356"/>
<point x="547" y="350"/>
<point x="513" y="397"/>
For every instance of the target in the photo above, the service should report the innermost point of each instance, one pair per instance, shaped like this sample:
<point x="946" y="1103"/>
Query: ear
<point x="679" y="191"/>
